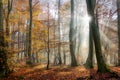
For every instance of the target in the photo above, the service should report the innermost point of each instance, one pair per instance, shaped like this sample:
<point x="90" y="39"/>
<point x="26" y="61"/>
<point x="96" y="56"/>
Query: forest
<point x="59" y="39"/>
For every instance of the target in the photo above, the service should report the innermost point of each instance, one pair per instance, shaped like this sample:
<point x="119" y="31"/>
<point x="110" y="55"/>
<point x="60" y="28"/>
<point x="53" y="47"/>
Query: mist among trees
<point x="59" y="39"/>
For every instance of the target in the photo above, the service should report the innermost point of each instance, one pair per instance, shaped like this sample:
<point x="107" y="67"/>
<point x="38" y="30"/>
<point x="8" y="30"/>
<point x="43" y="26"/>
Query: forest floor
<point x="39" y="72"/>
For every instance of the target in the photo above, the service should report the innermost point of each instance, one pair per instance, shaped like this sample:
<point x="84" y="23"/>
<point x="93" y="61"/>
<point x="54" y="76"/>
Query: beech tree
<point x="4" y="69"/>
<point x="91" y="4"/>
<point x="59" y="30"/>
<point x="48" y="41"/>
<point x="89" y="61"/>
<point x="118" y="9"/>
<point x="71" y="35"/>
<point x="30" y="34"/>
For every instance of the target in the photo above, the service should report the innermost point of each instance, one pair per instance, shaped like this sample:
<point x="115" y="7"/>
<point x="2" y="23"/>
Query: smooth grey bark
<point x="76" y="27"/>
<point x="48" y="42"/>
<point x="54" y="43"/>
<point x="37" y="57"/>
<point x="59" y="45"/>
<point x="55" y="59"/>
<point x="64" y="55"/>
<point x="27" y="41"/>
<point x="19" y="40"/>
<point x="71" y="35"/>
<point x="13" y="39"/>
<point x="33" y="58"/>
<point x="30" y="34"/>
<point x="22" y="46"/>
<point x="96" y="35"/>
<point x="9" y="7"/>
<point x="118" y="7"/>
<point x="89" y="61"/>
<point x="4" y="69"/>
<point x="25" y="44"/>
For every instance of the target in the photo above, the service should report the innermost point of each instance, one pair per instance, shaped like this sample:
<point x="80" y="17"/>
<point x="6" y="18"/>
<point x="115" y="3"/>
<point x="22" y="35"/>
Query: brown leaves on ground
<point x="62" y="73"/>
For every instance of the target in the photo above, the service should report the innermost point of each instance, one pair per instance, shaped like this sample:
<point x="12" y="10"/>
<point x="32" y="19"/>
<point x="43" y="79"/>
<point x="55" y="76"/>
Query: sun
<point x="87" y="18"/>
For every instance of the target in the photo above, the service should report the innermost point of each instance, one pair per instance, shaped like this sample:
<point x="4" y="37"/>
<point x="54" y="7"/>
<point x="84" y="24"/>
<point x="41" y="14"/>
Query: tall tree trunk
<point x="30" y="35"/>
<point x="27" y="42"/>
<point x="59" y="45"/>
<point x="96" y="36"/>
<point x="89" y="62"/>
<point x="54" y="62"/>
<point x="13" y="39"/>
<point x="48" y="44"/>
<point x="18" y="42"/>
<point x="9" y="7"/>
<point x="118" y="7"/>
<point x="71" y="35"/>
<point x="22" y="46"/>
<point x="37" y="57"/>
<point x="4" y="69"/>
<point x="55" y="59"/>
<point x="64" y="54"/>
<point x="76" y="26"/>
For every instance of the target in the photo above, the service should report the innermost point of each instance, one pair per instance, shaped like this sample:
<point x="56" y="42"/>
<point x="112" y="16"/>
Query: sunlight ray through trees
<point x="59" y="39"/>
